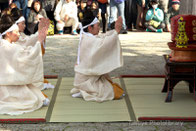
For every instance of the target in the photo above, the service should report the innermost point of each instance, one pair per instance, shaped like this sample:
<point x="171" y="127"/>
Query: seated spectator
<point x="172" y="11"/>
<point x="35" y="15"/>
<point x="95" y="8"/>
<point x="81" y="9"/>
<point x="66" y="16"/>
<point x="154" y="18"/>
<point x="20" y="68"/>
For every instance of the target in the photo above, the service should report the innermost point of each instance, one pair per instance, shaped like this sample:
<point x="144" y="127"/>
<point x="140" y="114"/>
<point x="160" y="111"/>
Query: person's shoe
<point x="159" y="30"/>
<point x="74" y="32"/>
<point x="148" y="30"/>
<point x="123" y="31"/>
<point x="60" y="32"/>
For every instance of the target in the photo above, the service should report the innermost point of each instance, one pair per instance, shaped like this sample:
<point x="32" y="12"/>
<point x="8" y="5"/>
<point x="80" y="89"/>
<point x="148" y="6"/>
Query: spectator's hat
<point x="175" y="1"/>
<point x="155" y="1"/>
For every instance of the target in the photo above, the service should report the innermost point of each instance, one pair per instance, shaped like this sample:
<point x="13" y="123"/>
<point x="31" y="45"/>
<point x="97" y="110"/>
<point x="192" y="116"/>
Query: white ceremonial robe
<point x="26" y="40"/>
<point x="99" y="55"/>
<point x="20" y="67"/>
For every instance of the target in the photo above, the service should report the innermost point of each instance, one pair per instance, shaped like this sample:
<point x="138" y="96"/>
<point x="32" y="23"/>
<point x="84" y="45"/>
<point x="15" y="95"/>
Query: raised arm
<point x="42" y="32"/>
<point x="118" y="24"/>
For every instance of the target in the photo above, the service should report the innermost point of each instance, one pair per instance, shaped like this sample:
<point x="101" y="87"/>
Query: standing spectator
<point x="164" y="5"/>
<point x="142" y="6"/>
<point x="22" y="4"/>
<point x="120" y="5"/>
<point x="172" y="11"/>
<point x="103" y="7"/>
<point x="49" y="7"/>
<point x="66" y="16"/>
<point x="130" y="14"/>
<point x="35" y="15"/>
<point x="154" y="18"/>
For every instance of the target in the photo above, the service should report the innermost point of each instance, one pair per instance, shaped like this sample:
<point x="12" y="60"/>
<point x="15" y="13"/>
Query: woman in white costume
<point x="26" y="40"/>
<point x="98" y="55"/>
<point x="20" y="67"/>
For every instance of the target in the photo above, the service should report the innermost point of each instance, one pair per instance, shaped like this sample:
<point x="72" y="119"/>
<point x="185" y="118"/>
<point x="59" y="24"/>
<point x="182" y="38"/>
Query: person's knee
<point x="162" y="25"/>
<point x="59" y="26"/>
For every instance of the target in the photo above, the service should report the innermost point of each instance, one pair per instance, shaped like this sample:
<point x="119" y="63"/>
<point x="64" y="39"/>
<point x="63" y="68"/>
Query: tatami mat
<point x="31" y="117"/>
<point x="143" y="101"/>
<point x="68" y="109"/>
<point x="149" y="102"/>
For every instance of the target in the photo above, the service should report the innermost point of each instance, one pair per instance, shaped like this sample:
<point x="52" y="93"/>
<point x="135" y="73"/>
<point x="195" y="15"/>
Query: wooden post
<point x="188" y="7"/>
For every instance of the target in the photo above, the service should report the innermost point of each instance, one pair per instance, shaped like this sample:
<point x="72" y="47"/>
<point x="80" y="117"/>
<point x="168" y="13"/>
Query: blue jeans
<point x="22" y="4"/>
<point x="120" y="7"/>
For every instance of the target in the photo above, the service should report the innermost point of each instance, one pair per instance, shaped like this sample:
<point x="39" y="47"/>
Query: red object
<point x="183" y="54"/>
<point x="190" y="26"/>
<point x="23" y="120"/>
<point x="167" y="118"/>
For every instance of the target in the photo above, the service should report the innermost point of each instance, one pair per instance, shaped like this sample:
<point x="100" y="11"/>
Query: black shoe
<point x="123" y="31"/>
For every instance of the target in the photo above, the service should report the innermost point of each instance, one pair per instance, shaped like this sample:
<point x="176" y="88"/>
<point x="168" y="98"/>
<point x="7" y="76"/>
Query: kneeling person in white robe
<point x="20" y="67"/>
<point x="98" y="55"/>
<point x="25" y="40"/>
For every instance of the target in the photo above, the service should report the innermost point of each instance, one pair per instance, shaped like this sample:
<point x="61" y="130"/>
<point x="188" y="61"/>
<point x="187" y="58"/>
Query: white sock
<point x="46" y="102"/>
<point x="77" y="95"/>
<point x="48" y="86"/>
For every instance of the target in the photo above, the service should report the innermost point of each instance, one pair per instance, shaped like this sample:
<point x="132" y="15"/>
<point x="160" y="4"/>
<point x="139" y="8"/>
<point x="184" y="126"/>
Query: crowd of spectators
<point x="141" y="15"/>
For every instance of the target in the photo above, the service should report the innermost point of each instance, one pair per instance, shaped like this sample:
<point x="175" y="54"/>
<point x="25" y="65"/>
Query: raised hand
<point x="43" y="29"/>
<point x="118" y="24"/>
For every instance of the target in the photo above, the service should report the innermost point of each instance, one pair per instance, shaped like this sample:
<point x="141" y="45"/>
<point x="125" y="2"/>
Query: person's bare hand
<point x="43" y="29"/>
<point x="154" y="12"/>
<point x="66" y="17"/>
<point x="118" y="24"/>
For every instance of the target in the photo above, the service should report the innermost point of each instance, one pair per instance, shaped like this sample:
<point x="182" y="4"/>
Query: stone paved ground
<point x="142" y="56"/>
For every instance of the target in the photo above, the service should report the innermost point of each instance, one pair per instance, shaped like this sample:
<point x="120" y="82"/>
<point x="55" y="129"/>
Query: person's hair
<point x="32" y="6"/>
<point x="88" y="18"/>
<point x="6" y="22"/>
<point x="16" y="13"/>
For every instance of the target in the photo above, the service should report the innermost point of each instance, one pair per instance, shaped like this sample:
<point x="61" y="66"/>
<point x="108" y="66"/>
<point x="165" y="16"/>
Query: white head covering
<point x="20" y="20"/>
<point x="81" y="33"/>
<point x="13" y="27"/>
